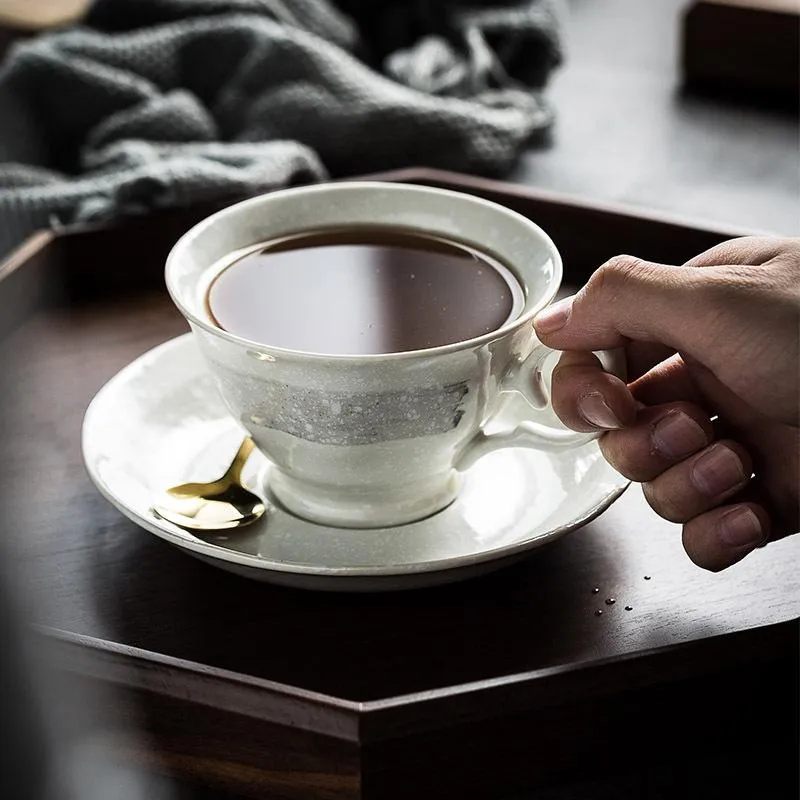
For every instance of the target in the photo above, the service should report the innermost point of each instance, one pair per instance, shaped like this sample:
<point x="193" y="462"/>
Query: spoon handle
<point x="234" y="473"/>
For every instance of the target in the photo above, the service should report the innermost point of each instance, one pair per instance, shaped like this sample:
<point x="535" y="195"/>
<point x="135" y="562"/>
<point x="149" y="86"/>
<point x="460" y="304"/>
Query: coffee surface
<point x="362" y="291"/>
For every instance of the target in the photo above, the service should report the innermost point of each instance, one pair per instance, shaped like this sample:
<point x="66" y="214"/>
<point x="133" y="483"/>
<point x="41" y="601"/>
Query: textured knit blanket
<point x="160" y="103"/>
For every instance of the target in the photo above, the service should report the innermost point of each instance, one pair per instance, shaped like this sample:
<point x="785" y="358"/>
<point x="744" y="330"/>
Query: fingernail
<point x="553" y="317"/>
<point x="717" y="470"/>
<point x="740" y="527"/>
<point x="594" y="409"/>
<point x="677" y="435"/>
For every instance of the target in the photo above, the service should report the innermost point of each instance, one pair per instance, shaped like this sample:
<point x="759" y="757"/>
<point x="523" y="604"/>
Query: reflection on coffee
<point x="361" y="291"/>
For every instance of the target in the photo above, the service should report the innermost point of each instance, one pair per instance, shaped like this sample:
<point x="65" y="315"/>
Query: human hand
<point x="708" y="421"/>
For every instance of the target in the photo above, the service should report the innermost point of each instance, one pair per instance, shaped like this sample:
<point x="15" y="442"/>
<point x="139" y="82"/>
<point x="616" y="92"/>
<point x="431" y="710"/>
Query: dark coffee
<point x="361" y="291"/>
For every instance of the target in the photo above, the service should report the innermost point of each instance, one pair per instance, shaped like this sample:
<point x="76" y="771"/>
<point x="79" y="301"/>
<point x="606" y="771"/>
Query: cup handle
<point x="526" y="376"/>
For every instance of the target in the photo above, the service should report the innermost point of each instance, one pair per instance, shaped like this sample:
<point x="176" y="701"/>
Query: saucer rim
<point x="184" y="539"/>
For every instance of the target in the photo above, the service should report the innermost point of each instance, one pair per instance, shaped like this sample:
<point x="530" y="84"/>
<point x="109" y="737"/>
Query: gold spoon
<point x="217" y="505"/>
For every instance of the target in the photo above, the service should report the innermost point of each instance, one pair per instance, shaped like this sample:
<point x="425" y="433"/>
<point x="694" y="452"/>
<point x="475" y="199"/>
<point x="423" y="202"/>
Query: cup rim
<point x="185" y="241"/>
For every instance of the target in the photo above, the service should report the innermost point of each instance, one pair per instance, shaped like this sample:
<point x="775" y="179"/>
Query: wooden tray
<point x="480" y="689"/>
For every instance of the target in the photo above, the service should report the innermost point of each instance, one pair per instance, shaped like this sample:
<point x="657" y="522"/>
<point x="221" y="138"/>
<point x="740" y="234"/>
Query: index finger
<point x="746" y="250"/>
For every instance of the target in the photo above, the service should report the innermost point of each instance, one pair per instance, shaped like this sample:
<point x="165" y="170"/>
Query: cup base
<point x="364" y="507"/>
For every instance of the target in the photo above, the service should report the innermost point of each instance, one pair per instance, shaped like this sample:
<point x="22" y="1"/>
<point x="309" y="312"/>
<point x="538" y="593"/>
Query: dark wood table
<point x="505" y="683"/>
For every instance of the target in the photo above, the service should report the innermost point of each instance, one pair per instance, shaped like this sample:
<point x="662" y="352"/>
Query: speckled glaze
<point x="375" y="440"/>
<point x="161" y="422"/>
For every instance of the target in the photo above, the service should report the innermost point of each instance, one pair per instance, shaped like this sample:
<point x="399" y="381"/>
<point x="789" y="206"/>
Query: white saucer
<point x="160" y="422"/>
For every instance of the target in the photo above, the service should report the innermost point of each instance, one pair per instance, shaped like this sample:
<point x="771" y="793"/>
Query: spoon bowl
<point x="217" y="505"/>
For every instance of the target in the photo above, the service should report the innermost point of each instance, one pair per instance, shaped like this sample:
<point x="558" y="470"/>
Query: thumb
<point x="628" y="298"/>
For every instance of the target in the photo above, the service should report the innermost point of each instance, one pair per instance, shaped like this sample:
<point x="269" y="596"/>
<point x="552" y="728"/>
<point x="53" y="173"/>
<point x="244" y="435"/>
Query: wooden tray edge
<point x="528" y="192"/>
<point x="146" y="671"/>
<point x="449" y="180"/>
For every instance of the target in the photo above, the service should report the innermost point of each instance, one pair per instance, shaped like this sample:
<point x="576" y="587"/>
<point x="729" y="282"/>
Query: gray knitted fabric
<point x="160" y="103"/>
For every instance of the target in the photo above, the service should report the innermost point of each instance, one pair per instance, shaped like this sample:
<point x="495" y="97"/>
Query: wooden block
<point x="790" y="6"/>
<point x="747" y="49"/>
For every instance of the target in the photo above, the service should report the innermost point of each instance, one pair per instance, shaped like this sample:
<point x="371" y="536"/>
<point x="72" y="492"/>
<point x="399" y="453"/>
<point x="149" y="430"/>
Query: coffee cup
<point x="370" y="439"/>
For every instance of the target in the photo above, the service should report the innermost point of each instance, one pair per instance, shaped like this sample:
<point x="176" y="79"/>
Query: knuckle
<point x="617" y="272"/>
<point x="628" y="460"/>
<point x="664" y="504"/>
<point x="792" y="249"/>
<point x="616" y="456"/>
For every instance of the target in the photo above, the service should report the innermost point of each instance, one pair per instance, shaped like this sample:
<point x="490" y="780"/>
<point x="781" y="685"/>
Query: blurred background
<point x="684" y="106"/>
<point x="681" y="107"/>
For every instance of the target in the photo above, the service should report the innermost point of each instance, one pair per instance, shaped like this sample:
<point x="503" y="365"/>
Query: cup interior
<point x="199" y="255"/>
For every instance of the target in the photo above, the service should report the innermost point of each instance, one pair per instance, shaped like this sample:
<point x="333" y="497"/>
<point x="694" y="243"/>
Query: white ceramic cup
<point x="377" y="440"/>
